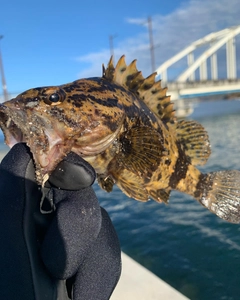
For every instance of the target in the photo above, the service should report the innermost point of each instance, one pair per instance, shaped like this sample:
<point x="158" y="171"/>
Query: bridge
<point x="202" y="77"/>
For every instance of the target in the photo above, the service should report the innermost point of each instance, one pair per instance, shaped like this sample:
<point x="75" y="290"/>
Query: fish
<point x="125" y="126"/>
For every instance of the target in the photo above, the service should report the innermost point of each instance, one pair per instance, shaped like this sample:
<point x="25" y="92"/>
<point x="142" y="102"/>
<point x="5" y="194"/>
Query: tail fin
<point x="220" y="193"/>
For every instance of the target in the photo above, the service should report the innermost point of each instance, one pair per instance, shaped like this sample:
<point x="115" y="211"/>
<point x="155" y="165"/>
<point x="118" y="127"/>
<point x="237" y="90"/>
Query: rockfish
<point x="124" y="125"/>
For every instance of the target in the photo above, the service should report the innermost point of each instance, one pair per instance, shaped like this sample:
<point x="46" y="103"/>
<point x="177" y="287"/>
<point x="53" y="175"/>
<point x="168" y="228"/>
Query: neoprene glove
<point x="61" y="246"/>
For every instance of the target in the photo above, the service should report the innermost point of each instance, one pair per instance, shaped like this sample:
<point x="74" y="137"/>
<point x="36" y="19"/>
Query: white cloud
<point x="172" y="33"/>
<point x="137" y="21"/>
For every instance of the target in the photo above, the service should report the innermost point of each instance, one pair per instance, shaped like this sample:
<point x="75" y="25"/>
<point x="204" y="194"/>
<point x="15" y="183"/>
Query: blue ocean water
<point x="183" y="243"/>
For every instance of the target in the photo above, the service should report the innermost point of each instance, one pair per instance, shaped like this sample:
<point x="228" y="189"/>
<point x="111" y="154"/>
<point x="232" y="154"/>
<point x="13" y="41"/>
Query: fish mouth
<point x="45" y="142"/>
<point x="13" y="134"/>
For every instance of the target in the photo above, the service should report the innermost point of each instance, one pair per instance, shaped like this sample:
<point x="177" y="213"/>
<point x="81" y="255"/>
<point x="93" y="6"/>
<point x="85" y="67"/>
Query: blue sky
<point x="54" y="42"/>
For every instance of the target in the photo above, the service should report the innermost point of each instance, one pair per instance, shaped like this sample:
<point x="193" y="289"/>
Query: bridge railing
<point x="174" y="85"/>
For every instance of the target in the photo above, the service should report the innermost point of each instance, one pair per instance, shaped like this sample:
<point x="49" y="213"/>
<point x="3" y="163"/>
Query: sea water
<point x="183" y="243"/>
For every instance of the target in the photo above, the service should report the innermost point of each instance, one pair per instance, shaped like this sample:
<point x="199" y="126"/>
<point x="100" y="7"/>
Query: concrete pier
<point x="137" y="283"/>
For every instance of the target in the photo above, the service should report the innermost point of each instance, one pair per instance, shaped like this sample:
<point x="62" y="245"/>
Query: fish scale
<point x="124" y="125"/>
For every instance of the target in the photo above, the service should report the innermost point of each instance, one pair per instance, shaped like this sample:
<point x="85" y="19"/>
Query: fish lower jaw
<point x="46" y="161"/>
<point x="43" y="160"/>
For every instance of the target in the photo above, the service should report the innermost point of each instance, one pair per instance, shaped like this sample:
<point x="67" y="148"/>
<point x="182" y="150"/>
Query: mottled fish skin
<point x="124" y="125"/>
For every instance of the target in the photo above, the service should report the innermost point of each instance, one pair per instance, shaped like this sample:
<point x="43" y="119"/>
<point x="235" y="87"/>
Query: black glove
<point x="71" y="252"/>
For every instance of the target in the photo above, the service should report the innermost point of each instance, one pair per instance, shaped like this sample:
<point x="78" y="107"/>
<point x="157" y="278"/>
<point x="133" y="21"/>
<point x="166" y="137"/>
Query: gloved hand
<point x="71" y="252"/>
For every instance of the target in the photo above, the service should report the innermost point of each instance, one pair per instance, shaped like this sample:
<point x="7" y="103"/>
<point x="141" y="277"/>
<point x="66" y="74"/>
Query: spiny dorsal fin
<point x="147" y="89"/>
<point x="109" y="72"/>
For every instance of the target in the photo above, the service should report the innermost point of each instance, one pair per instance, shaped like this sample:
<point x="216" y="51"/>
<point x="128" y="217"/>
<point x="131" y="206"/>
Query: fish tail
<point x="220" y="193"/>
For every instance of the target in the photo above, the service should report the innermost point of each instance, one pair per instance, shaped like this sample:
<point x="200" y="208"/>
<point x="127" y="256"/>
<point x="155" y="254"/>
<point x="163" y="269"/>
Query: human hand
<point x="72" y="252"/>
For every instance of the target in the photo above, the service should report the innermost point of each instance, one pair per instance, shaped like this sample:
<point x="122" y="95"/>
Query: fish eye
<point x="54" y="98"/>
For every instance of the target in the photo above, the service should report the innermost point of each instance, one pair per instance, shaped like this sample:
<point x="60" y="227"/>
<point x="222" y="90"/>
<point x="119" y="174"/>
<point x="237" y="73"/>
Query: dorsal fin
<point x="195" y="141"/>
<point x="147" y="89"/>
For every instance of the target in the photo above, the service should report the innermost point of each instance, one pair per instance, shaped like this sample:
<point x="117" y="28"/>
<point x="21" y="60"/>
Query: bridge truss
<point x="215" y="41"/>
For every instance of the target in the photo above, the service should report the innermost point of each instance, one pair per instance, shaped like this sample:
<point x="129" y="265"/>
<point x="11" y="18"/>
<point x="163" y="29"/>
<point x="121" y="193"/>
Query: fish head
<point x="53" y="123"/>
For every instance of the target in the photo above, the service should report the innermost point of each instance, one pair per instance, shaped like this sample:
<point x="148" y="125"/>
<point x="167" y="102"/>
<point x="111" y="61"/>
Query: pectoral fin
<point x="141" y="151"/>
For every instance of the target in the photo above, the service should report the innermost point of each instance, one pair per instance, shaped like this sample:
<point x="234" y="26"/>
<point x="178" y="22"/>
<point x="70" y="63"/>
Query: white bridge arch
<point x="216" y="40"/>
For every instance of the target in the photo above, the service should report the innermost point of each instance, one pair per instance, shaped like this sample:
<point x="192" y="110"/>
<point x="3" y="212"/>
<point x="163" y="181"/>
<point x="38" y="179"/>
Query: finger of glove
<point x="16" y="161"/>
<point x="74" y="228"/>
<point x="98" y="275"/>
<point x="72" y="173"/>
